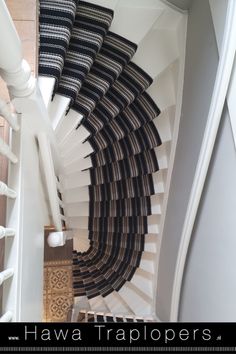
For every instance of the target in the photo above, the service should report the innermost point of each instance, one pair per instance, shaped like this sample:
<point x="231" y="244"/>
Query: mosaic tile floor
<point x="58" y="290"/>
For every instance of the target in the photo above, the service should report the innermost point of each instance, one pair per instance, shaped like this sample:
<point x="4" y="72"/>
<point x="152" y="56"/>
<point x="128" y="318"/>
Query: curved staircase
<point x="110" y="75"/>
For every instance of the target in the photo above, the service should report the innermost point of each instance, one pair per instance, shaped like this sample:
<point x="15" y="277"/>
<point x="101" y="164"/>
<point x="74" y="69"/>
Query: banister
<point x="6" y="151"/>
<point x="14" y="70"/>
<point x="51" y="180"/>
<point x="8" y="115"/>
<point x="5" y="190"/>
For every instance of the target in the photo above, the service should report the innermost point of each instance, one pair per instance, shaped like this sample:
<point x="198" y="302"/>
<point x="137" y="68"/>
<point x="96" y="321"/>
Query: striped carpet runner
<point x="93" y="67"/>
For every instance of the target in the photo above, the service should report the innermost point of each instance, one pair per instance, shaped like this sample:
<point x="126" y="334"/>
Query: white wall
<point x="218" y="10"/>
<point x="209" y="290"/>
<point x="200" y="72"/>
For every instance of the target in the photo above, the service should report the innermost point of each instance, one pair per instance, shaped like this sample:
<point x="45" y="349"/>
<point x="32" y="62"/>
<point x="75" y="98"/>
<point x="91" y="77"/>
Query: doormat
<point x="58" y="291"/>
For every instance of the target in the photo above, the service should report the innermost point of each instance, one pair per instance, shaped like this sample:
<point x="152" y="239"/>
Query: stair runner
<point x="93" y="67"/>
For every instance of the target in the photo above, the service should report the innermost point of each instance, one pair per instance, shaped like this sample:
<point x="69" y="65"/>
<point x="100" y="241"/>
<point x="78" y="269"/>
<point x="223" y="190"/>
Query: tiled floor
<point x="24" y="15"/>
<point x="58" y="289"/>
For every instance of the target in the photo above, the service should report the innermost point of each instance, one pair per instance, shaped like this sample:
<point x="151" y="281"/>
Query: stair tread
<point x="137" y="303"/>
<point x="90" y="20"/>
<point x="112" y="111"/>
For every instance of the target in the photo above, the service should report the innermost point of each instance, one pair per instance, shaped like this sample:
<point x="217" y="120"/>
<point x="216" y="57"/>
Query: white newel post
<point x="14" y="70"/>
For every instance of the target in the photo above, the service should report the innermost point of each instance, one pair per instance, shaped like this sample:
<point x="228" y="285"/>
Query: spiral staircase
<point x="111" y="76"/>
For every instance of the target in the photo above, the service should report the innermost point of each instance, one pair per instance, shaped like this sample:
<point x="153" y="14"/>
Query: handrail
<point x="8" y="192"/>
<point x="4" y="232"/>
<point x="51" y="180"/>
<point x="10" y="117"/>
<point x="6" y="151"/>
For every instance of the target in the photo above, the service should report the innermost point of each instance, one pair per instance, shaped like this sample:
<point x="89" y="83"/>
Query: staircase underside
<point x="109" y="77"/>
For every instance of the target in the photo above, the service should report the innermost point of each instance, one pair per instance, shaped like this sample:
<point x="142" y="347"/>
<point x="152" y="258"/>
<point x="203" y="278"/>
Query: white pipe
<point x="4" y="190"/>
<point x="8" y="115"/>
<point x="14" y="70"/>
<point x="214" y="116"/>
<point x="6" y="151"/>
<point x="4" y="232"/>
<point x="7" y="317"/>
<point x="5" y="274"/>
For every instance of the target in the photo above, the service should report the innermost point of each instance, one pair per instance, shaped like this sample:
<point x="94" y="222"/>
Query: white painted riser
<point x="144" y="282"/>
<point x="82" y="178"/>
<point x="57" y="109"/>
<point x="98" y="304"/>
<point x="82" y="209"/>
<point x="72" y="148"/>
<point x="81" y="240"/>
<point x="81" y="222"/>
<point x="116" y="304"/>
<point x="46" y="85"/>
<point x="72" y="152"/>
<point x="81" y="194"/>
<point x="67" y="126"/>
<point x="162" y="153"/>
<point x="162" y="92"/>
<point x="148" y="262"/>
<point x="138" y="302"/>
<point x="153" y="55"/>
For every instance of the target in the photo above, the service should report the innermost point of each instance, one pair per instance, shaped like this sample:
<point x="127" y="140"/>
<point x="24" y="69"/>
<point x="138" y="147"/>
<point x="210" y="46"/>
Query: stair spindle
<point x="8" y="192"/>
<point x="5" y="274"/>
<point x="6" y="151"/>
<point x="4" y="232"/>
<point x="10" y="117"/>
<point x="7" y="317"/>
